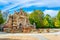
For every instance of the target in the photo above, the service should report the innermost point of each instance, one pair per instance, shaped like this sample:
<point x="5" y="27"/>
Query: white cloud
<point x="29" y="12"/>
<point x="51" y="12"/>
<point x="19" y="2"/>
<point x="3" y="1"/>
<point x="45" y="3"/>
<point x="28" y="3"/>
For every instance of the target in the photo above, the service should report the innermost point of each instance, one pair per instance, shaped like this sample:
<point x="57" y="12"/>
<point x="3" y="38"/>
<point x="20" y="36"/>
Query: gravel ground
<point x="30" y="36"/>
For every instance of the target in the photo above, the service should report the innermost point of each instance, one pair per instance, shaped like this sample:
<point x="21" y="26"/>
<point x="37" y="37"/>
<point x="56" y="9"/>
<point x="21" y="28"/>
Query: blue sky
<point x="50" y="7"/>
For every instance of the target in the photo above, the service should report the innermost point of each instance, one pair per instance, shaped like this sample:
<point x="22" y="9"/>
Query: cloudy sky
<point x="47" y="6"/>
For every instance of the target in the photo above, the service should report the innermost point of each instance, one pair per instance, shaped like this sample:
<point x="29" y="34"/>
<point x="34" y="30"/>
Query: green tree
<point x="58" y="16"/>
<point x="48" y="22"/>
<point x="37" y="17"/>
<point x="57" y="21"/>
<point x="1" y="19"/>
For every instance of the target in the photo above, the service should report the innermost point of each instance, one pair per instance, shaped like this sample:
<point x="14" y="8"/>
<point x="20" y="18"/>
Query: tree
<point x="58" y="16"/>
<point x="57" y="21"/>
<point x="1" y="18"/>
<point x="1" y="21"/>
<point x="48" y="22"/>
<point x="37" y="17"/>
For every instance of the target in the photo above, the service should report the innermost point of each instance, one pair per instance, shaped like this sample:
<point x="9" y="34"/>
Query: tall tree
<point x="37" y="17"/>
<point x="1" y="18"/>
<point x="58" y="15"/>
<point x="1" y="21"/>
<point x="48" y="23"/>
<point x="57" y="21"/>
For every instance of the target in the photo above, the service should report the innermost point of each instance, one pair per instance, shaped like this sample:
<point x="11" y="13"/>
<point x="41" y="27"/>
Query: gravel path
<point x="30" y="36"/>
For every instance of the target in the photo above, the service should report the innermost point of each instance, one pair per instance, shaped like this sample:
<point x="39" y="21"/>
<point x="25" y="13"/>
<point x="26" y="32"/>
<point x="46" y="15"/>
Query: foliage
<point x="42" y="21"/>
<point x="58" y="16"/>
<point x="1" y="19"/>
<point x="57" y="23"/>
<point x="48" y="22"/>
<point x="37" y="17"/>
<point x="57" y="20"/>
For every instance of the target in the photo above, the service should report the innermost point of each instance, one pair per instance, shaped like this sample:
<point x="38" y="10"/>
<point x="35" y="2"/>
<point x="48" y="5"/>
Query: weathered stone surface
<point x="18" y="22"/>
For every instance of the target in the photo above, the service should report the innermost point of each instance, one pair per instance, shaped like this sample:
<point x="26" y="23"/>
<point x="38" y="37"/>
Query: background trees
<point x="1" y="21"/>
<point x="37" y="17"/>
<point x="43" y="21"/>
<point x="58" y="15"/>
<point x="57" y="20"/>
<point x="1" y="18"/>
<point x="48" y="21"/>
